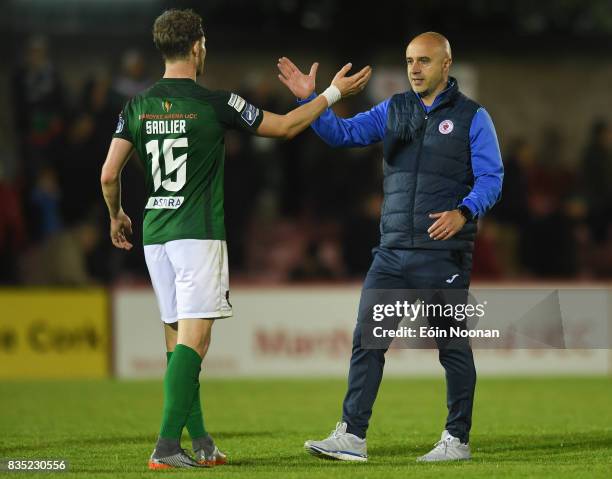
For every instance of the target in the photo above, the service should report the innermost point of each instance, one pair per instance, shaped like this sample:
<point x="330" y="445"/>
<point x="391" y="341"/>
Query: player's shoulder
<point x="191" y="91"/>
<point x="133" y="102"/>
<point x="218" y="98"/>
<point x="225" y="103"/>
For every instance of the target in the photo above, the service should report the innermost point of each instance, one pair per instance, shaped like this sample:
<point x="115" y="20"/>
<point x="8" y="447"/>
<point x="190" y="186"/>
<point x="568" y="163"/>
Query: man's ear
<point x="195" y="48"/>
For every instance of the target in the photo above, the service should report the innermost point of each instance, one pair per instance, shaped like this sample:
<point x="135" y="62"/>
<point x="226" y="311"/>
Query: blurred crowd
<point x="295" y="211"/>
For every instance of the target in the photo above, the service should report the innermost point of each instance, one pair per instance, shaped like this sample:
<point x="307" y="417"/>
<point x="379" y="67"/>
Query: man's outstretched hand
<point x="302" y="86"/>
<point x="355" y="83"/>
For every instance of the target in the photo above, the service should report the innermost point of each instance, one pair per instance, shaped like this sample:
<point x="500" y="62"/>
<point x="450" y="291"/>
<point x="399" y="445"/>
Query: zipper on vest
<point x="416" y="177"/>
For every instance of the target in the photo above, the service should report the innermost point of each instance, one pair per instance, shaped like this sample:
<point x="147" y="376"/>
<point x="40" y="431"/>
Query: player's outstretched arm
<point x="294" y="122"/>
<point x="120" y="223"/>
<point x="361" y="130"/>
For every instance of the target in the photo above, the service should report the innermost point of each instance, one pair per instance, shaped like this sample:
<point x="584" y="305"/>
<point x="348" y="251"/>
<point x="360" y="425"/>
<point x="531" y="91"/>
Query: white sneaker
<point x="448" y="448"/>
<point x="340" y="445"/>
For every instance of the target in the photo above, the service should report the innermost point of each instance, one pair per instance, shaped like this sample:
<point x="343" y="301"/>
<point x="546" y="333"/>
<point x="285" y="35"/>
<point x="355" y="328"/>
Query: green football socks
<point x="195" y="420"/>
<point x="181" y="383"/>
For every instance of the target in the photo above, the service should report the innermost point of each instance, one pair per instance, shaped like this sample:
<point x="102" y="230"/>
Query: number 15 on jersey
<point x="172" y="164"/>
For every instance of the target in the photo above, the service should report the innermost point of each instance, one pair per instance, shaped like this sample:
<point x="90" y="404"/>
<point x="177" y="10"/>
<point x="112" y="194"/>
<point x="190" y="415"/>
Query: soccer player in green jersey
<point x="177" y="127"/>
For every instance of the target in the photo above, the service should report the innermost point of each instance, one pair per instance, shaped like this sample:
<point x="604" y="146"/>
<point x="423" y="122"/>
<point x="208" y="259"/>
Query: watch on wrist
<point x="466" y="212"/>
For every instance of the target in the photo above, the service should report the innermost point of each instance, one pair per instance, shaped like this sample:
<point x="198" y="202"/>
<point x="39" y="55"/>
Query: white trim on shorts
<point x="190" y="278"/>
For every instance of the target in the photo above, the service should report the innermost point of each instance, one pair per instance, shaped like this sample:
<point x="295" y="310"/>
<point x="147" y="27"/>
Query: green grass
<point x="539" y="427"/>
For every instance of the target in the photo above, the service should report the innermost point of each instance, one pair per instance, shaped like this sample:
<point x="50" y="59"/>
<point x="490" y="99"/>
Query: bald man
<point x="442" y="170"/>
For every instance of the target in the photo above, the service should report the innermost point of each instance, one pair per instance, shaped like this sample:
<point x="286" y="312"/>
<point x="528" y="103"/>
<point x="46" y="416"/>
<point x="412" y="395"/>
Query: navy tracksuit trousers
<point x="412" y="269"/>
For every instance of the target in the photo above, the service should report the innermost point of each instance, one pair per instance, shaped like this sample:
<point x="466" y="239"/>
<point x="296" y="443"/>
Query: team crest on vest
<point x="445" y="127"/>
<point x="166" y="105"/>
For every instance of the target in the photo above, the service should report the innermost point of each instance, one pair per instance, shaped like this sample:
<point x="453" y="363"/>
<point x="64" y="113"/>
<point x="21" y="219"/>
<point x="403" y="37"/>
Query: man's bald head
<point x="433" y="40"/>
<point x="428" y="57"/>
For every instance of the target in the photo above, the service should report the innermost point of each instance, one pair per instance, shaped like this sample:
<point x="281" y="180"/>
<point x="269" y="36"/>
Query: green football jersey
<point x="177" y="127"/>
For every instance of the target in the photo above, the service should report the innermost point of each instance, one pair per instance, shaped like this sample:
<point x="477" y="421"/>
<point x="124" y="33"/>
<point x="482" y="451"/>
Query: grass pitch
<point x="540" y="427"/>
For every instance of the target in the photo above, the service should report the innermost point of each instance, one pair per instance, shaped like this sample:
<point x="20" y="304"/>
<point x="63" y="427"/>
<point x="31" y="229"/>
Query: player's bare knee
<point x="195" y="333"/>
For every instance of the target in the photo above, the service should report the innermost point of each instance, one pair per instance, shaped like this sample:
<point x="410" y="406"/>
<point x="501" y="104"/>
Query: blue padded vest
<point x="427" y="168"/>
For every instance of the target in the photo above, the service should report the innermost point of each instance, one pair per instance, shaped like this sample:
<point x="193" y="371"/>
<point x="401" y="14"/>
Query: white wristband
<point x="332" y="94"/>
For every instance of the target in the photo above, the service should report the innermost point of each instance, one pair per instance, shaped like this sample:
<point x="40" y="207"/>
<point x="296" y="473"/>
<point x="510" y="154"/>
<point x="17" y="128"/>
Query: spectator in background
<point x="512" y="212"/>
<point x="242" y="184"/>
<point x="61" y="260"/>
<point x="79" y="167"/>
<point x="518" y="163"/>
<point x="328" y="175"/>
<point x="489" y="251"/>
<point x="45" y="200"/>
<point x="549" y="243"/>
<point x="132" y="79"/>
<point x="321" y="261"/>
<point x="95" y="111"/>
<point x="39" y="111"/>
<point x="361" y="233"/>
<point x="252" y="164"/>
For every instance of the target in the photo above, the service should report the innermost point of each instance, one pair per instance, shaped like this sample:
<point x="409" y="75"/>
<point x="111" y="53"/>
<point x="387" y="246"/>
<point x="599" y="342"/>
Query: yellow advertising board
<point x="48" y="333"/>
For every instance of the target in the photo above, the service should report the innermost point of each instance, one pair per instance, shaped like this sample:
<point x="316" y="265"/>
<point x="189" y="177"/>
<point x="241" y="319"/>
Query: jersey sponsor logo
<point x="236" y="102"/>
<point x="166" y="105"/>
<point x="164" y="202"/>
<point x="250" y="114"/>
<point x="168" y="116"/>
<point x="120" y="124"/>
<point x="445" y="127"/>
